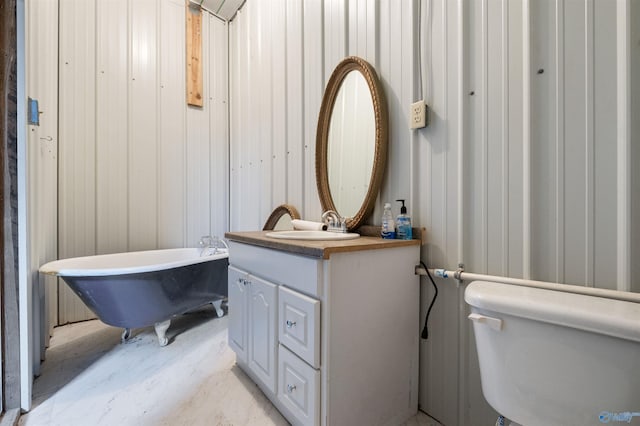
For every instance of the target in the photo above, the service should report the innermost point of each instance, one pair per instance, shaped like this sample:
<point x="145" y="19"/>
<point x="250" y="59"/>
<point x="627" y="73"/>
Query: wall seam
<point x="623" y="145"/>
<point x="461" y="326"/>
<point x="526" y="141"/>
<point x="505" y="137"/>
<point x="485" y="137"/>
<point x="590" y="146"/>
<point x="129" y="79"/>
<point x="560" y="146"/>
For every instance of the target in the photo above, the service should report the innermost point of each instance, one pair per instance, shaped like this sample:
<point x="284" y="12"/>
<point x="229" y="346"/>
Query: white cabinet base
<point x="346" y="334"/>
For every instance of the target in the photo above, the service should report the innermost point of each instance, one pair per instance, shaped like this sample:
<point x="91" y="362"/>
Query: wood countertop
<point x="315" y="248"/>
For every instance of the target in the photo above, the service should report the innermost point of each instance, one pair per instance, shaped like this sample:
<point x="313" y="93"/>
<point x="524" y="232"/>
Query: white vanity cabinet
<point x="252" y="330"/>
<point x="328" y="330"/>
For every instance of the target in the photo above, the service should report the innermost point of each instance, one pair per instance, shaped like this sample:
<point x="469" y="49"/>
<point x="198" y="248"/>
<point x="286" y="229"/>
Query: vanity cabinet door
<point x="299" y="325"/>
<point x="263" y="338"/>
<point x="238" y="290"/>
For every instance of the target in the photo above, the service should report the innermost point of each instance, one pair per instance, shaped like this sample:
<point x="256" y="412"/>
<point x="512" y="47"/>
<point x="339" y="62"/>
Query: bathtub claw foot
<point x="161" y="330"/>
<point x="126" y="333"/>
<point x="217" y="305"/>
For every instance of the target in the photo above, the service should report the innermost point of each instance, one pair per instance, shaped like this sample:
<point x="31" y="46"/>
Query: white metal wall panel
<point x="576" y="167"/>
<point x="172" y="206"/>
<point x="314" y="82"/>
<point x="485" y="188"/>
<point x="544" y="47"/>
<point x="42" y="154"/>
<point x="604" y="114"/>
<point x="335" y="37"/>
<point x="235" y="130"/>
<point x="219" y="125"/>
<point x="496" y="165"/>
<point x="397" y="74"/>
<point x="198" y="149"/>
<point x="436" y="182"/>
<point x="77" y="144"/>
<point x="251" y="157"/>
<point x="112" y="117"/>
<point x="278" y="107"/>
<point x="581" y="148"/>
<point x="634" y="143"/>
<point x="515" y="156"/>
<point x="475" y="151"/>
<point x="244" y="61"/>
<point x="143" y="124"/>
<point x="295" y="95"/>
<point x="362" y="27"/>
<point x="265" y="20"/>
<point x="623" y="127"/>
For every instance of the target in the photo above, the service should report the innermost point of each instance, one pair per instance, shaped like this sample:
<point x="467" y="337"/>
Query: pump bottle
<point x="403" y="223"/>
<point x="388" y="226"/>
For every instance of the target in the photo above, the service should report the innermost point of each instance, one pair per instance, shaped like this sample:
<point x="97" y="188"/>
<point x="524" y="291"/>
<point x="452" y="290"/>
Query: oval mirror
<point x="351" y="141"/>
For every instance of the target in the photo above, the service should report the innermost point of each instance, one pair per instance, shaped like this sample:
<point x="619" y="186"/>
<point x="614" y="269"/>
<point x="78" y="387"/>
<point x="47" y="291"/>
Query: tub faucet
<point x="210" y="245"/>
<point x="334" y="222"/>
<point x="207" y="246"/>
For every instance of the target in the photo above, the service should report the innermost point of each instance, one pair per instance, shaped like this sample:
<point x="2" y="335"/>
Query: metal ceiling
<point x="225" y="9"/>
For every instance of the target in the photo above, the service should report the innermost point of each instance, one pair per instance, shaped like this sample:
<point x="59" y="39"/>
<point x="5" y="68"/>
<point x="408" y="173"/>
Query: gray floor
<point x="90" y="378"/>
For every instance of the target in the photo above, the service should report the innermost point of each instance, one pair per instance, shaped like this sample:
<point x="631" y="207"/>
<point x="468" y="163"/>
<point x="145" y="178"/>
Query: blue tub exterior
<point x="143" y="299"/>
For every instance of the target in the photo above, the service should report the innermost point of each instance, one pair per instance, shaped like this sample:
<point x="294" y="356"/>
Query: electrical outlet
<point x="418" y="115"/>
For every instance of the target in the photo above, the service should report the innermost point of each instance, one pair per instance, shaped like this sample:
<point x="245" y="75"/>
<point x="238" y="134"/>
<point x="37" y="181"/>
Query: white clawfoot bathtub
<point x="144" y="288"/>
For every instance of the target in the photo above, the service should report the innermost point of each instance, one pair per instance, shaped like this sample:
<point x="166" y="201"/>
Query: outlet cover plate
<point x="418" y="115"/>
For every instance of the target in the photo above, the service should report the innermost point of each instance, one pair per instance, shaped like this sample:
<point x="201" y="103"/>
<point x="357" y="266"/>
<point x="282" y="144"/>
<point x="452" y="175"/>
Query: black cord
<point x="425" y="331"/>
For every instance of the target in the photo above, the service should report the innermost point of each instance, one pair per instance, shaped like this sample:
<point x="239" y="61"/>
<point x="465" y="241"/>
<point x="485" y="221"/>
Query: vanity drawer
<point x="299" y="324"/>
<point x="298" y="388"/>
<point x="299" y="272"/>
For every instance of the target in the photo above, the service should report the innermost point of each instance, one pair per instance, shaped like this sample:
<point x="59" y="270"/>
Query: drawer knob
<point x="290" y="323"/>
<point x="291" y="388"/>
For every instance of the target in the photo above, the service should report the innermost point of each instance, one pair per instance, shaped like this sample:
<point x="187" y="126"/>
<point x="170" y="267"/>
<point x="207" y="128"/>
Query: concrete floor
<point x="90" y="378"/>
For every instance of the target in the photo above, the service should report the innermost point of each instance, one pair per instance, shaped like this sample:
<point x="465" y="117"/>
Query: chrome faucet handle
<point x="330" y="217"/>
<point x="206" y="241"/>
<point x="325" y="215"/>
<point x="334" y="222"/>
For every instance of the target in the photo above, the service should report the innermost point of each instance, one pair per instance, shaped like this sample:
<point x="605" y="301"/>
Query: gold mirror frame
<point x="347" y="65"/>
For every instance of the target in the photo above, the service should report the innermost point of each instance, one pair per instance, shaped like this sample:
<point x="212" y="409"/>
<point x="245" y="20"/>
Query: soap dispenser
<point x="403" y="224"/>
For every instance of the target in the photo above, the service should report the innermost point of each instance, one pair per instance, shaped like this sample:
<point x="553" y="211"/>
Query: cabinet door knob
<point x="291" y="388"/>
<point x="290" y="323"/>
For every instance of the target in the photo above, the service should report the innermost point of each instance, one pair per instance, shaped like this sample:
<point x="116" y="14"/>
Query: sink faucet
<point x="334" y="222"/>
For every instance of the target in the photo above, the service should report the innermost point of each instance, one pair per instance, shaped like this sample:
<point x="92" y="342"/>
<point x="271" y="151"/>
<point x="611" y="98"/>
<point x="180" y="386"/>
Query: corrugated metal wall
<point x="42" y="167"/>
<point x="138" y="168"/>
<point x="281" y="56"/>
<point x="527" y="168"/>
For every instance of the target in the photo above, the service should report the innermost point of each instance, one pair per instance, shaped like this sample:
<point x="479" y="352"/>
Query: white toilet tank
<point x="554" y="358"/>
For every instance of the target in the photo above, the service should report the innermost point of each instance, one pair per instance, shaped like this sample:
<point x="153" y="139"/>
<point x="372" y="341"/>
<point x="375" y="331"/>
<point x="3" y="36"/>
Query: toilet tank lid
<point x="615" y="318"/>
